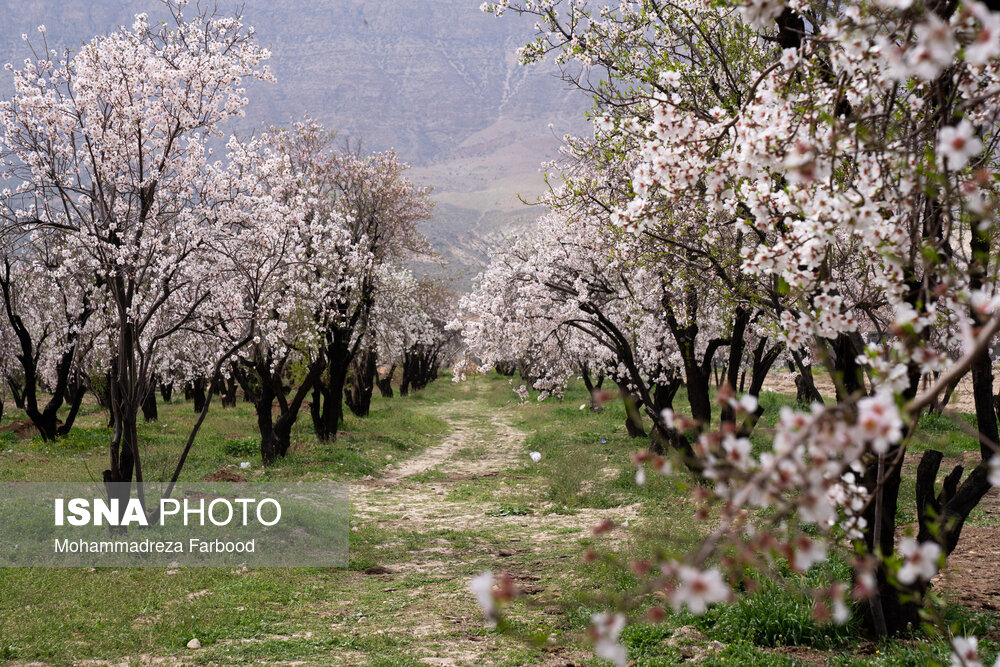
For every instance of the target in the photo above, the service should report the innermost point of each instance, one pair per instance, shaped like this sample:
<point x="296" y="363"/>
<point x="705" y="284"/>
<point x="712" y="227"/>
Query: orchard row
<point x="142" y="247"/>
<point x="770" y="183"/>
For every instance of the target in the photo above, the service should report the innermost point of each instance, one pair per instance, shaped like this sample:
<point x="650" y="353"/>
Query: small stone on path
<point x="194" y="643"/>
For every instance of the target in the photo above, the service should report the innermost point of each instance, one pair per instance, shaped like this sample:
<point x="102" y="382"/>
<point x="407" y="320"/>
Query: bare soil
<point x="784" y="383"/>
<point x="403" y="499"/>
<point x="971" y="574"/>
<point x="396" y="498"/>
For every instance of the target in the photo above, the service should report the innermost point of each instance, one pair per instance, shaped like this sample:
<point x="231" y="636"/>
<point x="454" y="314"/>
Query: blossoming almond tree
<point x="380" y="210"/>
<point x="406" y="328"/>
<point x="431" y="342"/>
<point x="47" y="306"/>
<point x="569" y="298"/>
<point x="110" y="144"/>
<point x="259" y="235"/>
<point x="8" y="366"/>
<point x="855" y="148"/>
<point x="395" y="318"/>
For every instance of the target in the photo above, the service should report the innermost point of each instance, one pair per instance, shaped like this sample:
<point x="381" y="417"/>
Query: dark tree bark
<point x="848" y="375"/>
<point x="327" y="408"/>
<point x="384" y="384"/>
<point x="633" y="418"/>
<point x="166" y="391"/>
<point x="275" y="433"/>
<point x="362" y="383"/>
<point x="805" y="385"/>
<point x="248" y="383"/>
<point x="592" y="403"/>
<point x="269" y="442"/>
<point x="737" y="344"/>
<point x="229" y="385"/>
<point x="76" y="389"/>
<point x="505" y="368"/>
<point x="663" y="398"/>
<point x="763" y="361"/>
<point x="421" y="365"/>
<point x="16" y="393"/>
<point x="125" y="399"/>
<point x="45" y="418"/>
<point x="697" y="372"/>
<point x="941" y="514"/>
<point x="149" y="412"/>
<point x="198" y="393"/>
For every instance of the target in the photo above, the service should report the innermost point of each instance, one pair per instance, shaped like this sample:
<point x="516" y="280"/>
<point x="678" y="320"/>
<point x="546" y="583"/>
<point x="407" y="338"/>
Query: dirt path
<point x="418" y="490"/>
<point x="784" y="383"/>
<point x="467" y="433"/>
<point x="422" y="501"/>
<point x="970" y="575"/>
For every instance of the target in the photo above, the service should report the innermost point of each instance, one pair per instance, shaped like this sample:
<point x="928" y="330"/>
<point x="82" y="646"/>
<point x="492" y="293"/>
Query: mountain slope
<point x="438" y="81"/>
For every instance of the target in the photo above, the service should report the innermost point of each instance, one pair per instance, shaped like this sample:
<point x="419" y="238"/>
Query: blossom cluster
<point x="812" y="184"/>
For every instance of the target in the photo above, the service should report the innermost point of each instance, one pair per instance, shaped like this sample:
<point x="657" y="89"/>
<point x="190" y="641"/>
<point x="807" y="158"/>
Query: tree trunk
<point x="265" y="424"/>
<point x="166" y="391"/>
<point x="275" y="434"/>
<point x="633" y="418"/>
<point x="45" y="419"/>
<point x="848" y="375"/>
<point x="333" y="407"/>
<point x="198" y="393"/>
<point x="737" y="344"/>
<point x="505" y="368"/>
<point x="124" y="443"/>
<point x="805" y="385"/>
<point x="247" y="382"/>
<point x="884" y="613"/>
<point x="228" y="398"/>
<point x="363" y="383"/>
<point x="327" y="409"/>
<point x="149" y="413"/>
<point x="663" y="439"/>
<point x="698" y="385"/>
<point x="16" y="393"/>
<point x="276" y="444"/>
<point x="592" y="402"/>
<point x="76" y="389"/>
<point x="384" y="384"/>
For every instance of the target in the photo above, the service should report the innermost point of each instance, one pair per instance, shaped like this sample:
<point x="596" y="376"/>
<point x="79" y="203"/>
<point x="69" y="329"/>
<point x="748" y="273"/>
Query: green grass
<point x="532" y="520"/>
<point x="227" y="438"/>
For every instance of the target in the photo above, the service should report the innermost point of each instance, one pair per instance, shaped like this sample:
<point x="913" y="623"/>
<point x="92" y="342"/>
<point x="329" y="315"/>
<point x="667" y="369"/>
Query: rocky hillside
<point x="436" y="80"/>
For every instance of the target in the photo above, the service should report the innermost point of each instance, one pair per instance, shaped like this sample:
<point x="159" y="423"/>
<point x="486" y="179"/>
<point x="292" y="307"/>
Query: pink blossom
<point x="965" y="652"/>
<point x="760" y="14"/>
<point x="879" y="421"/>
<point x="986" y="44"/>
<point x="957" y="144"/>
<point x="697" y="589"/>
<point x="606" y="628"/>
<point x="920" y="560"/>
<point x="482" y="587"/>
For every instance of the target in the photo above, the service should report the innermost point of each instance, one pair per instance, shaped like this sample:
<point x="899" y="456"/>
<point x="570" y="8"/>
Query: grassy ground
<point x="442" y="488"/>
